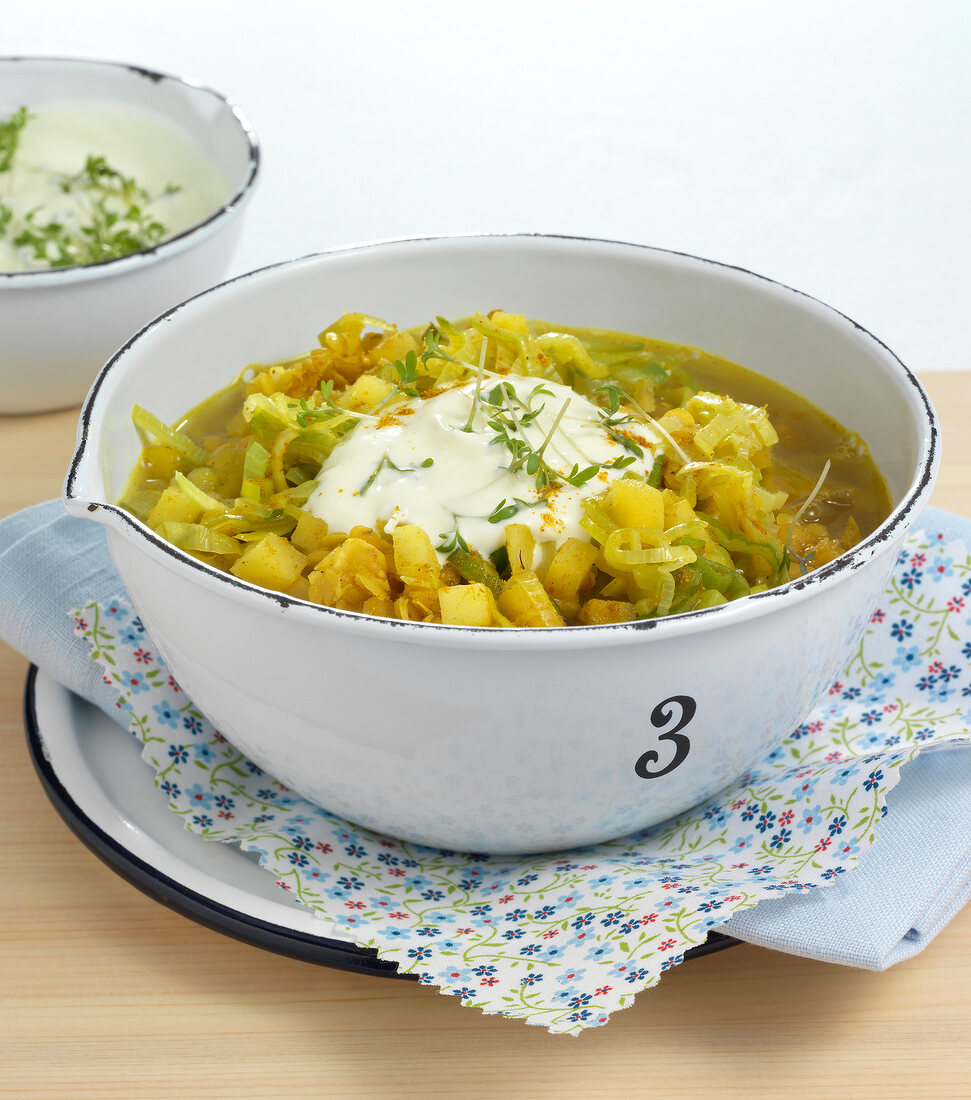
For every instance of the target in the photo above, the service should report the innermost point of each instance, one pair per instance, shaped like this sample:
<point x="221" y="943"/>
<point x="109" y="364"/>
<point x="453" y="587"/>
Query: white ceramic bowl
<point x="489" y="739"/>
<point x="60" y="325"/>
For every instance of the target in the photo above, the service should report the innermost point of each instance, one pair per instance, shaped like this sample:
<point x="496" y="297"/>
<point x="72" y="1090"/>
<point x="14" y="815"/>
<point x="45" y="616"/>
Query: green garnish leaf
<point x="625" y="441"/>
<point x="654" y="477"/>
<point x="386" y="462"/>
<point x="508" y="428"/>
<point x="433" y="348"/>
<point x="580" y="477"/>
<point x="452" y="540"/>
<point x="308" y="412"/>
<point x="10" y="131"/>
<point x="610" y="422"/>
<point x="407" y="374"/>
<point x="503" y="511"/>
<point x="624" y="462"/>
<point x="614" y="395"/>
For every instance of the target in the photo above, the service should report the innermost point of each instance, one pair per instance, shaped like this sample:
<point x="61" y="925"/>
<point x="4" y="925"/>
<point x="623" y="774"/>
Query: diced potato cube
<point x="161" y="461"/>
<point x="569" y="609"/>
<point x="173" y="506"/>
<point x="310" y="533"/>
<point x="377" y="606"/>
<point x="272" y="379"/>
<point x="394" y="346"/>
<point x="369" y="390"/>
<point x="851" y="534"/>
<point x="414" y="556"/>
<point x="425" y="598"/>
<point x="301" y="590"/>
<point x="520" y="547"/>
<point x="635" y="504"/>
<point x="805" y="536"/>
<point x="203" y="478"/>
<point x="676" y="510"/>
<point x="594" y="612"/>
<point x="526" y="602"/>
<point x="315" y="557"/>
<point x="271" y="563"/>
<point x="418" y="604"/>
<point x="226" y="464"/>
<point x="569" y="571"/>
<point x="379" y="542"/>
<point x="349" y="576"/>
<point x="542" y="558"/>
<point x="827" y="550"/>
<point x="467" y="605"/>
<point x="616" y="587"/>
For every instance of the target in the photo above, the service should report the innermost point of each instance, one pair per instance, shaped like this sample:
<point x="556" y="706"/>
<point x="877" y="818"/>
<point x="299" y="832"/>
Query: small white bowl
<point x="60" y="325"/>
<point x="499" y="740"/>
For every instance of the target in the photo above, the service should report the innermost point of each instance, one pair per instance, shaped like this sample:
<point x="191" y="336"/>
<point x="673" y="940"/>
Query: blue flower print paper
<point x="564" y="940"/>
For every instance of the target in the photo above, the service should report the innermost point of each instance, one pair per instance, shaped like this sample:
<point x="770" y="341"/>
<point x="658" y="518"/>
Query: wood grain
<point x="105" y="994"/>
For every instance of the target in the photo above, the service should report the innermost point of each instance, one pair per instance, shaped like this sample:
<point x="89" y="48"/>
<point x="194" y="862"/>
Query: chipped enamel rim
<point x="122" y="265"/>
<point x="184" y="567"/>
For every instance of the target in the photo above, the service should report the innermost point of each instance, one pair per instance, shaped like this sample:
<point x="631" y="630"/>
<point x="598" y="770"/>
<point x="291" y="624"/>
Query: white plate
<point x="92" y="771"/>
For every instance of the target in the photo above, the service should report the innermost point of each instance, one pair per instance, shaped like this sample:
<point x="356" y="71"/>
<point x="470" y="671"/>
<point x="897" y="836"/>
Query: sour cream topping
<point x="381" y="472"/>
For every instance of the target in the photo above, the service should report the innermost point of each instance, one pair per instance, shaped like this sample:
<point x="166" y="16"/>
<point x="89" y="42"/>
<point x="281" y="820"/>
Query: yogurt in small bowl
<point x="121" y="192"/>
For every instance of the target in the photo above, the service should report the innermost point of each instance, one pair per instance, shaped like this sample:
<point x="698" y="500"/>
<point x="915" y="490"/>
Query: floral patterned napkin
<point x="563" y="940"/>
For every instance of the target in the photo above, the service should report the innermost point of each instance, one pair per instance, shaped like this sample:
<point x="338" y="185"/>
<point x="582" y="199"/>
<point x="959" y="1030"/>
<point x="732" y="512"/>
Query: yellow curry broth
<point x="654" y="549"/>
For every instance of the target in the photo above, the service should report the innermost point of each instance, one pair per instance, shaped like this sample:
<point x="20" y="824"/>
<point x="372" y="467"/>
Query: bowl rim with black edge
<point x="754" y="605"/>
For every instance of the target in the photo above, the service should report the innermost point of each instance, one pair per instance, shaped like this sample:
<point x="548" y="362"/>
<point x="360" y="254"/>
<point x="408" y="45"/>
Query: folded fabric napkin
<point x="564" y="939"/>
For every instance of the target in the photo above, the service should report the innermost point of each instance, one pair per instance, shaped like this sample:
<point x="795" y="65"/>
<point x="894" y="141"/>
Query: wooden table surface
<point x="104" y="993"/>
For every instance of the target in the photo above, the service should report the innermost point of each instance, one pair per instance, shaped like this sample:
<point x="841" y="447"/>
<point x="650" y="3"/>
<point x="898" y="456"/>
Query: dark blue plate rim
<point x="250" y="930"/>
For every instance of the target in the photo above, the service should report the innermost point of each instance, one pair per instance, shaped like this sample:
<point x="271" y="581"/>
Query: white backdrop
<point x="825" y="145"/>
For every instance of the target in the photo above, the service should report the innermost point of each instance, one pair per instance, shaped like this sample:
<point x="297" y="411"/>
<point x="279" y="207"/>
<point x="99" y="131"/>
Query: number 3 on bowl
<point x="681" y="707"/>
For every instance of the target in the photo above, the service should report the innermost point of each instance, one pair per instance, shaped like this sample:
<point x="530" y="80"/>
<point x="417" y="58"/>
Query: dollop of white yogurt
<point x="417" y="464"/>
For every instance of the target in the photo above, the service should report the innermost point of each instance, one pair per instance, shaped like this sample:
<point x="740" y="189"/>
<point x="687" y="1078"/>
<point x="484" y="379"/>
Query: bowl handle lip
<point x="84" y="492"/>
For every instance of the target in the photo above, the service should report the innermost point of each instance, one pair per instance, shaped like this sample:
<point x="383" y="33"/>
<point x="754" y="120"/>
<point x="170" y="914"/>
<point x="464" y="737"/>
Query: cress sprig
<point x="504" y="511"/>
<point x="614" y="395"/>
<point x="509" y="416"/>
<point x="387" y="461"/>
<point x="452" y="540"/>
<point x="10" y="131"/>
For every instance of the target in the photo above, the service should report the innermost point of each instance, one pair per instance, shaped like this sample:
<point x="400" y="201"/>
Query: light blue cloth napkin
<point x="49" y="563"/>
<point x="906" y="889"/>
